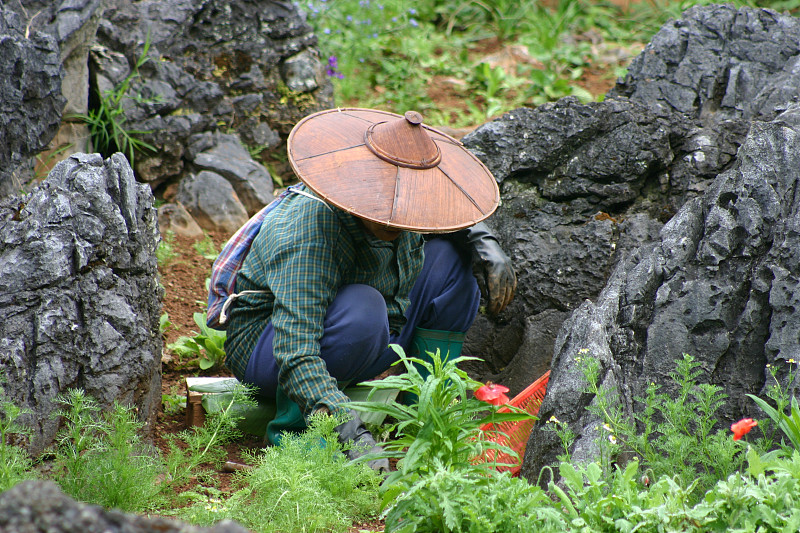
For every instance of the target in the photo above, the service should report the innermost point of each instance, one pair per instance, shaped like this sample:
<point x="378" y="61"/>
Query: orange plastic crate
<point x="515" y="434"/>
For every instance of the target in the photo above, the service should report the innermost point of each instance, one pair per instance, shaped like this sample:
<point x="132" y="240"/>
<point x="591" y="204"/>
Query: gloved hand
<point x="361" y="442"/>
<point x="493" y="269"/>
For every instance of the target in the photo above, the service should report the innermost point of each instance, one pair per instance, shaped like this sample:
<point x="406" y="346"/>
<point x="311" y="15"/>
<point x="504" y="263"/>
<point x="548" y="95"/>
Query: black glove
<point x="492" y="267"/>
<point x="361" y="442"/>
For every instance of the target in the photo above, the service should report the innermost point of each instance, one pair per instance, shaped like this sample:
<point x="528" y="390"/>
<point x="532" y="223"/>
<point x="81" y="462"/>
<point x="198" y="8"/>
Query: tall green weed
<point x="444" y="470"/>
<point x="101" y="458"/>
<point x="673" y="434"/>
<point x="305" y="484"/>
<point x="16" y="464"/>
<point x="107" y="121"/>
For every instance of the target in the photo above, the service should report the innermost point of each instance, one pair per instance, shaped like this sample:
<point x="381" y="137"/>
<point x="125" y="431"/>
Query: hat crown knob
<point x="403" y="142"/>
<point x="413" y="117"/>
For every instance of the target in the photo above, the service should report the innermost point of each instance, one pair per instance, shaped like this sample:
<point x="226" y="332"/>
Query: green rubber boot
<point x="425" y="342"/>
<point x="448" y="343"/>
<point x="287" y="418"/>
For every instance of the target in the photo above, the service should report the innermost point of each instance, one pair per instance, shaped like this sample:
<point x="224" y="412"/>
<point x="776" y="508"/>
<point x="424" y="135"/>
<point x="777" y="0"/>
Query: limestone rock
<point x="584" y="185"/>
<point x="79" y="294"/>
<point x="721" y="283"/>
<point x="31" y="103"/>
<point x="225" y="155"/>
<point x="246" y="67"/>
<point x="175" y="218"/>
<point x="34" y="506"/>
<point x="211" y="200"/>
<point x="581" y="184"/>
<point x="718" y="63"/>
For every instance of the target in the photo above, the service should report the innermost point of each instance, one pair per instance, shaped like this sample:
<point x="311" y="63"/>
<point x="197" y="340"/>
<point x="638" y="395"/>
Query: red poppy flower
<point x="742" y="427"/>
<point x="492" y="393"/>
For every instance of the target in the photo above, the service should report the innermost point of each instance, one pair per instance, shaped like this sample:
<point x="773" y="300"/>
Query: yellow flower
<point x="791" y="361"/>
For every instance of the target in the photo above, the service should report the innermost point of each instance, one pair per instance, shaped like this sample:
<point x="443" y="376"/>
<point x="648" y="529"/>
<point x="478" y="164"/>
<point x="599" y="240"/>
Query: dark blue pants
<point x="356" y="335"/>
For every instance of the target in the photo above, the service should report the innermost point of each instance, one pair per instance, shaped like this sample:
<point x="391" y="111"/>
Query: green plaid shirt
<point x="305" y="251"/>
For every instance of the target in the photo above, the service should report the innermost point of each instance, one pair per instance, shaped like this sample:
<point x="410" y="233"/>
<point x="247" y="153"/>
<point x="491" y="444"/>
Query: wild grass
<point x="442" y="57"/>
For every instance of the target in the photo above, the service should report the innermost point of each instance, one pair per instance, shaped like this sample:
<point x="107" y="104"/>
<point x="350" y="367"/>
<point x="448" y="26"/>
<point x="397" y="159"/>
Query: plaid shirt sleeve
<point x="300" y="260"/>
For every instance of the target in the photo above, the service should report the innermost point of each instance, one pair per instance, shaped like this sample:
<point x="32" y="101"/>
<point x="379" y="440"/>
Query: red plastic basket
<point x="515" y="434"/>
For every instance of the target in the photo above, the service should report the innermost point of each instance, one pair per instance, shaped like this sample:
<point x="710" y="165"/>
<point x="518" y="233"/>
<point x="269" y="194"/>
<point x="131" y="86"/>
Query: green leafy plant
<point x="101" y="459"/>
<point x="194" y="447"/>
<point x="305" y="484"/>
<point x="503" y="18"/>
<point x="443" y="424"/>
<point x="164" y="324"/>
<point x="107" y="122"/>
<point x="786" y="413"/>
<point x="15" y="463"/>
<point x="173" y="402"/>
<point x="565" y="435"/>
<point x="446" y="500"/>
<point x="672" y="434"/>
<point x="165" y="251"/>
<point x="208" y="346"/>
<point x="206" y="248"/>
<point x="439" y="432"/>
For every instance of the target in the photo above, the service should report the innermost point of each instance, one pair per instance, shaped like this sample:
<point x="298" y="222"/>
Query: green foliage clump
<point x="672" y="434"/>
<point x="194" y="447"/>
<point x="15" y="463"/>
<point x="443" y="426"/>
<point x="107" y="129"/>
<point x="101" y="459"/>
<point x="445" y="500"/>
<point x="785" y="414"/>
<point x="441" y="448"/>
<point x="206" y="248"/>
<point x="165" y="251"/>
<point x="763" y="499"/>
<point x="207" y="347"/>
<point x="383" y="53"/>
<point x="305" y="484"/>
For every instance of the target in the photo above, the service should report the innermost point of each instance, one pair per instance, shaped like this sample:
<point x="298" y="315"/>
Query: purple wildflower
<point x="333" y="68"/>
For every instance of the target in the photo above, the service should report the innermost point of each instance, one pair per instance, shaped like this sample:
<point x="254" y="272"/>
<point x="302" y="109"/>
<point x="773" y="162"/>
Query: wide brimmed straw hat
<point x="392" y="170"/>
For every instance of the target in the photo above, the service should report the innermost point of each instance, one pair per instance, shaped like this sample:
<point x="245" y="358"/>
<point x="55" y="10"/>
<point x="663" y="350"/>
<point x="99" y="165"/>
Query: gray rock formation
<point x="73" y="24"/>
<point x="718" y="63"/>
<point x="34" y="506"/>
<point x="585" y="185"/>
<point x="248" y="67"/>
<point x="212" y="202"/>
<point x="244" y="67"/>
<point x="79" y="294"/>
<point x="175" y="218"/>
<point x="226" y="156"/>
<point x="30" y="98"/>
<point x="721" y="283"/>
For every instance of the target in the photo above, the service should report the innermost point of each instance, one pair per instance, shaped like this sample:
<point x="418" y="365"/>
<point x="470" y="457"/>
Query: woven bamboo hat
<point x="392" y="170"/>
